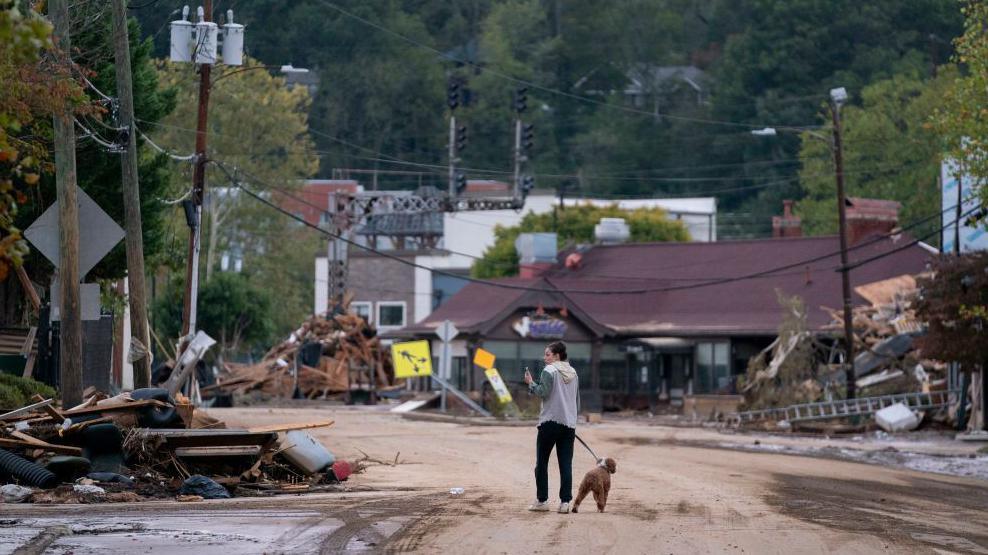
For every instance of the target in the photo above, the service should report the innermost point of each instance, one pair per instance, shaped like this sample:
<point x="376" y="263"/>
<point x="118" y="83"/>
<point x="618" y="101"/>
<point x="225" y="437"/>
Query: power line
<point x="170" y="154"/>
<point x="439" y="169"/>
<point x="554" y="290"/>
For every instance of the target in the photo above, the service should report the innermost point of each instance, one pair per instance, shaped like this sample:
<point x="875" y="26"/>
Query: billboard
<point x="971" y="238"/>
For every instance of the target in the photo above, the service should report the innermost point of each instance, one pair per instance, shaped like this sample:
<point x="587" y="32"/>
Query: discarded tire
<point x="67" y="469"/>
<point x="156" y="417"/>
<point x="26" y="471"/>
<point x="103" y="446"/>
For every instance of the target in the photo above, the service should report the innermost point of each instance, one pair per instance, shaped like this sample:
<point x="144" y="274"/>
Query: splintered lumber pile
<point x="330" y="355"/>
<point x="883" y="339"/>
<point x="147" y="444"/>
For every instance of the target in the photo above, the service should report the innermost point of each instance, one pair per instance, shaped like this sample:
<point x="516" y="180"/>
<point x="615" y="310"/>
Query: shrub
<point x="26" y="387"/>
<point x="10" y="397"/>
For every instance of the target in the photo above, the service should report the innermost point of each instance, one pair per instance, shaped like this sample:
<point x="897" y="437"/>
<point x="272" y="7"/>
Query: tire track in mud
<point x="440" y="514"/>
<point x="921" y="514"/>
<point x="384" y="525"/>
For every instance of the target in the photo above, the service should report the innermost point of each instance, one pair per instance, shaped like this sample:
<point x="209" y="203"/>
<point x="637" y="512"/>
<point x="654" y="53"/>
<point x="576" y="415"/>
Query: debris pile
<point x="322" y="357"/>
<point x="148" y="444"/>
<point x="803" y="369"/>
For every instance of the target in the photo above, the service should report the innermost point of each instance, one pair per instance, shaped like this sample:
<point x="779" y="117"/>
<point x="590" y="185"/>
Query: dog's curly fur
<point x="597" y="481"/>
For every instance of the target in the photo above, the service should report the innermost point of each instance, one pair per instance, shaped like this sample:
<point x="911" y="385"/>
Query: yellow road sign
<point x="411" y="359"/>
<point x="484" y="359"/>
<point x="497" y="383"/>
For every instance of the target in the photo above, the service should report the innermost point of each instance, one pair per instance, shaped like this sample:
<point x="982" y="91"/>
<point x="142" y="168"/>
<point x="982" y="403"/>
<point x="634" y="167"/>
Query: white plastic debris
<point x="13" y="493"/>
<point x="88" y="489"/>
<point x="306" y="452"/>
<point x="456" y="491"/>
<point x="896" y="418"/>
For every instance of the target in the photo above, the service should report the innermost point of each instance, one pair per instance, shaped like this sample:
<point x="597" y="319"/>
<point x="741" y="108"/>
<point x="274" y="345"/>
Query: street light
<point x="838" y="97"/>
<point x="283" y="69"/>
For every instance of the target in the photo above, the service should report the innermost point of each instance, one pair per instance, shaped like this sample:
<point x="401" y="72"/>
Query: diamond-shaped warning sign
<point x="98" y="233"/>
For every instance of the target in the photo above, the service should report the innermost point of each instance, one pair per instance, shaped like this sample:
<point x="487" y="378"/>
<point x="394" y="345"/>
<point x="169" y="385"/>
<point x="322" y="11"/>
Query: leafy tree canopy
<point x="574" y="225"/>
<point x="258" y="129"/>
<point x="890" y="152"/>
<point x="963" y="118"/>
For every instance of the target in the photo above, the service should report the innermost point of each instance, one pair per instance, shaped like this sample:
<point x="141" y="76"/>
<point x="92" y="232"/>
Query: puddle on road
<point x="342" y="525"/>
<point x="199" y="533"/>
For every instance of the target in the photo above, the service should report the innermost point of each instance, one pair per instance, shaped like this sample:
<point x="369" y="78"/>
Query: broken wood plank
<point x="117" y="407"/>
<point x="22" y="444"/>
<point x="29" y="365"/>
<point x="52" y="411"/>
<point x="25" y="410"/>
<point x="180" y="437"/>
<point x="32" y="293"/>
<point x="75" y="428"/>
<point x="90" y="401"/>
<point x="292" y="426"/>
<point x="29" y="341"/>
<point x="219" y="451"/>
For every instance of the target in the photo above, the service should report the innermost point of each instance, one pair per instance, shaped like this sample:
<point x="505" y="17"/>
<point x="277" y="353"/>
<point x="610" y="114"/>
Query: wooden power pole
<point x="198" y="191"/>
<point x="137" y="291"/>
<point x="70" y="352"/>
<point x="849" y="372"/>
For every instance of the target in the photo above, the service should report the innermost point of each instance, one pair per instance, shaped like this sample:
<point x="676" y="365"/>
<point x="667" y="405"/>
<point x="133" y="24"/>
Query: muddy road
<point x="675" y="491"/>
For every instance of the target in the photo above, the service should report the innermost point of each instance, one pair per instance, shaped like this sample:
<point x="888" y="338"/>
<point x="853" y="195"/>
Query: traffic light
<point x="461" y="137"/>
<point x="461" y="183"/>
<point x="453" y="95"/>
<point x="528" y="136"/>
<point x="521" y="99"/>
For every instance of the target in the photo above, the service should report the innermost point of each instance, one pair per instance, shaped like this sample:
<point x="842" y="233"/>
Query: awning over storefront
<point x="663" y="343"/>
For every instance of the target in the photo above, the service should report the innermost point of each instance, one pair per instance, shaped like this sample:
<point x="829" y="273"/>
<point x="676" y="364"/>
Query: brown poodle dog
<point x="598" y="481"/>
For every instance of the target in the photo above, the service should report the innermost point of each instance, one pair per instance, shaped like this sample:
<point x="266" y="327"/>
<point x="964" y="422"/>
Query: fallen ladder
<point x="844" y="408"/>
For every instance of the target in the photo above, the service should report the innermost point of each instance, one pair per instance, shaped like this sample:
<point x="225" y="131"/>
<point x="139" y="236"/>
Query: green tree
<point x="258" y="130"/>
<point x="23" y="35"/>
<point x="237" y="314"/>
<point x="788" y="53"/>
<point x="99" y="173"/>
<point x="963" y="117"/>
<point x="574" y="225"/>
<point x="890" y="153"/>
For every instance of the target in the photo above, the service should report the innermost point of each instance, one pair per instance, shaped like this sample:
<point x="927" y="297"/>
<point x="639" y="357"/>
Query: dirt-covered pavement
<point x="676" y="491"/>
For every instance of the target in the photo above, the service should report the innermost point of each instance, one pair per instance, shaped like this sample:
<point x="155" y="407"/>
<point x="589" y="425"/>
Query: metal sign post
<point x="446" y="332"/>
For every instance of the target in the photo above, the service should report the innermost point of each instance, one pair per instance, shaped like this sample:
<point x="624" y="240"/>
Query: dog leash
<point x="592" y="454"/>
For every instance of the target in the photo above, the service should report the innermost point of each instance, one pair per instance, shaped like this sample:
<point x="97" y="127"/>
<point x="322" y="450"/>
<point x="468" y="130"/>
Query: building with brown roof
<point x="656" y="321"/>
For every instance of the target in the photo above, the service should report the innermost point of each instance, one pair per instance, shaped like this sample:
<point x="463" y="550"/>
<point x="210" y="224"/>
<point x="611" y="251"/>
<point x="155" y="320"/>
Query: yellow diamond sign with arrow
<point x="411" y="359"/>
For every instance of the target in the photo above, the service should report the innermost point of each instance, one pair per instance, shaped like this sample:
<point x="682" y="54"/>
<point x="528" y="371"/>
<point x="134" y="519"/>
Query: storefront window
<point x="613" y="369"/>
<point x="506" y="359"/>
<point x="713" y="373"/>
<point x="512" y="357"/>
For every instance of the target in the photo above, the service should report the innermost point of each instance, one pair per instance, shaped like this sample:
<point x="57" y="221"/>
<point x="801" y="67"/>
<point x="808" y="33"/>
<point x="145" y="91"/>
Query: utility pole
<point x="198" y="190"/>
<point x="136" y="291"/>
<point x="838" y="96"/>
<point x="336" y="254"/>
<point x="959" y="176"/>
<point x="517" y="152"/>
<point x="452" y="155"/>
<point x="520" y="104"/>
<point x="452" y="101"/>
<point x="70" y="341"/>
